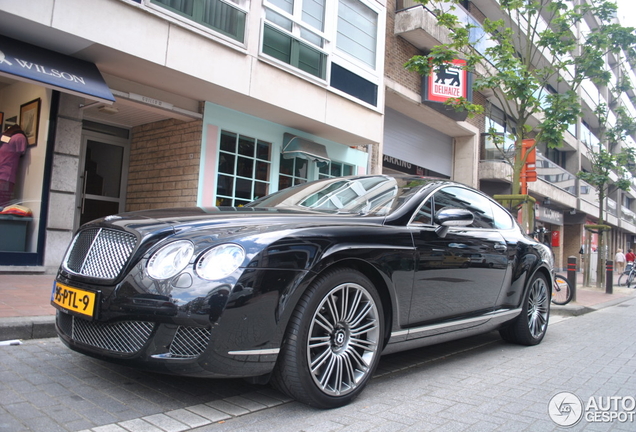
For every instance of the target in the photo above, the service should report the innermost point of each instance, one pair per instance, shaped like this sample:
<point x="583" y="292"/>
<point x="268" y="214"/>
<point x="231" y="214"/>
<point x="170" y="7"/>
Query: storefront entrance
<point x="103" y="176"/>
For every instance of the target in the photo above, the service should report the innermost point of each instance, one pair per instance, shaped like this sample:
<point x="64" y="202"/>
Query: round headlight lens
<point x="220" y="261"/>
<point x="170" y="259"/>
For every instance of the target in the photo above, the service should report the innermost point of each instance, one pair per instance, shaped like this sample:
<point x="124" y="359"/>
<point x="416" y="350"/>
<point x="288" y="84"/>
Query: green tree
<point x="533" y="46"/>
<point x="609" y="171"/>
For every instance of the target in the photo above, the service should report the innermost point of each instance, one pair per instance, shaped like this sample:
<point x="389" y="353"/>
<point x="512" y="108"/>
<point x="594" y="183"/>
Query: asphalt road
<point x="480" y="383"/>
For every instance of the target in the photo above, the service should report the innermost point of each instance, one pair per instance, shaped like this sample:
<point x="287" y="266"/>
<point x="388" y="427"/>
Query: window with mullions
<point x="220" y="15"/>
<point x="335" y="169"/>
<point x="244" y="167"/>
<point x="293" y="34"/>
<point x="292" y="172"/>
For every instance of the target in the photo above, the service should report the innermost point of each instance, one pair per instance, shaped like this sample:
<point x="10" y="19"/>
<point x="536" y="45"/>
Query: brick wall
<point x="164" y="165"/>
<point x="398" y="51"/>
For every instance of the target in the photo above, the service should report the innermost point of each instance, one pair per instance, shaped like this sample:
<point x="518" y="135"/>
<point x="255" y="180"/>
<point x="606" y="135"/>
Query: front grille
<point x="189" y="342"/>
<point x="125" y="337"/>
<point x="100" y="253"/>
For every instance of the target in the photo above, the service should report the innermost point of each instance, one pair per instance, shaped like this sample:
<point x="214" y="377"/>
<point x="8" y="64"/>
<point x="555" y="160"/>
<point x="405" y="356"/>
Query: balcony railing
<point x="628" y="215"/>
<point x="588" y="193"/>
<point x="611" y="207"/>
<point x="554" y="174"/>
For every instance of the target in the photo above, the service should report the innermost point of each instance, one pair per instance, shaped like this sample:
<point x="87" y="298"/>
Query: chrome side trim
<point x="433" y="327"/>
<point x="270" y="351"/>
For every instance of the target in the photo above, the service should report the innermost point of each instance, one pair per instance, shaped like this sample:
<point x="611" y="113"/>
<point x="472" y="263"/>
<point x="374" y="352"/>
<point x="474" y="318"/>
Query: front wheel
<point x="561" y="291"/>
<point x="333" y="340"/>
<point x="531" y="325"/>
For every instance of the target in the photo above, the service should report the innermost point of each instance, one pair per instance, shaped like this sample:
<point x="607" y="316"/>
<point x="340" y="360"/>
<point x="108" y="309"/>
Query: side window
<point x="424" y="215"/>
<point x="503" y="220"/>
<point x="457" y="197"/>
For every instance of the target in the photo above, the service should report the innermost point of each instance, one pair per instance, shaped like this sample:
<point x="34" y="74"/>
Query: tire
<point x="531" y="325"/>
<point x="333" y="340"/>
<point x="622" y="279"/>
<point x="630" y="279"/>
<point x="561" y="291"/>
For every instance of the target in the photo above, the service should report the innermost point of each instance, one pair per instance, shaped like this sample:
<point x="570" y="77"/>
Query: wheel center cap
<point x="339" y="337"/>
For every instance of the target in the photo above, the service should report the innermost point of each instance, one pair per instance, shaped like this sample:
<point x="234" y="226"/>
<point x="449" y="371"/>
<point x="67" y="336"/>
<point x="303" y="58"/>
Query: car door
<point x="461" y="273"/>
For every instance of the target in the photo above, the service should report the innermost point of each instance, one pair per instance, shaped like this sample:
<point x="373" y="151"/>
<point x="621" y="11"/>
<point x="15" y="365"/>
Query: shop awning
<point x="57" y="71"/>
<point x="294" y="146"/>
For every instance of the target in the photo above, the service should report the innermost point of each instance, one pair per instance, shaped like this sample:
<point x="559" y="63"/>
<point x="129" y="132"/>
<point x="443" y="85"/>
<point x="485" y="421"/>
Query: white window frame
<point x="185" y="22"/>
<point x="332" y="53"/>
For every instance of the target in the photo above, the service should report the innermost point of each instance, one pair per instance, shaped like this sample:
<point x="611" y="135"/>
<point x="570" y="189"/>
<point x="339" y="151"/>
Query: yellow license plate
<point x="74" y="299"/>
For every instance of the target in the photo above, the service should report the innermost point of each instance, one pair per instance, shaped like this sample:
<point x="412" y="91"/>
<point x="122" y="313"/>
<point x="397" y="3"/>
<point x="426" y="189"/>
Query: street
<point x="480" y="383"/>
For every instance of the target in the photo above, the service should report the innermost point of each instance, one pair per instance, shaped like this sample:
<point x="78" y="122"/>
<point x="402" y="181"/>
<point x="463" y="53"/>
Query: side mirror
<point x="448" y="217"/>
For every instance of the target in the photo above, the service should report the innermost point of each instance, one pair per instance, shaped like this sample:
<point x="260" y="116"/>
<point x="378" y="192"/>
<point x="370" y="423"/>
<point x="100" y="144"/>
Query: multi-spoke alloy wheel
<point x="343" y="341"/>
<point x="333" y="340"/>
<point x="538" y="308"/>
<point x="530" y="327"/>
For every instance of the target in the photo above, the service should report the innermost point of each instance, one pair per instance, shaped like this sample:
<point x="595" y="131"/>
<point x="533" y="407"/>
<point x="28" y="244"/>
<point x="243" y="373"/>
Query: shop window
<point x="335" y="169"/>
<point x="292" y="172"/>
<point x="223" y="16"/>
<point x="244" y="167"/>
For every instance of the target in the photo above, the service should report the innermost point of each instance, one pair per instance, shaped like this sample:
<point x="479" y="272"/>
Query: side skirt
<point x="437" y="333"/>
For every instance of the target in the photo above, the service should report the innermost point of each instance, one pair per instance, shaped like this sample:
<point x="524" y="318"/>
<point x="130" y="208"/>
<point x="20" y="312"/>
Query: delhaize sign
<point x="448" y="82"/>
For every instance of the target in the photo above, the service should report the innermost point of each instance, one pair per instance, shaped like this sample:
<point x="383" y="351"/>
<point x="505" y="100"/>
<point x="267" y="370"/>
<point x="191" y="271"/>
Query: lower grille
<point x="125" y="337"/>
<point x="189" y="342"/>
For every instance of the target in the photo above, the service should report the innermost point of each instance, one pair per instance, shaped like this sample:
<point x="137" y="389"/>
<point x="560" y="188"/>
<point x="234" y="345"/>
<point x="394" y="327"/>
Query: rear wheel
<point x="531" y="325"/>
<point x="622" y="279"/>
<point x="561" y="291"/>
<point x="333" y="341"/>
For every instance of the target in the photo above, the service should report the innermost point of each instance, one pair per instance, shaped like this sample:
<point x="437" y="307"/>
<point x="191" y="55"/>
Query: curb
<point x="574" y="309"/>
<point x="38" y="327"/>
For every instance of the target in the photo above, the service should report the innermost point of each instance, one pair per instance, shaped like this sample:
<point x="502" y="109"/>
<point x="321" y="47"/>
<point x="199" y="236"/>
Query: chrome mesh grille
<point x="100" y="253"/>
<point x="189" y="342"/>
<point x="125" y="337"/>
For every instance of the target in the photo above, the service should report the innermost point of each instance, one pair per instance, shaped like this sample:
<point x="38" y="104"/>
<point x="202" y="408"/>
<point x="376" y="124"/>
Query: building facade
<point x="207" y="102"/>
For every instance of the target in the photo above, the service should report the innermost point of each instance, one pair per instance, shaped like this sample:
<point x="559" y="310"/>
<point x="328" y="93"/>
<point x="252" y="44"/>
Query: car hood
<point x="179" y="219"/>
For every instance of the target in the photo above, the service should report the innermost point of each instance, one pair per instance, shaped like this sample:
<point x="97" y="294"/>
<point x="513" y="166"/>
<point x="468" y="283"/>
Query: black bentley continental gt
<point x="306" y="287"/>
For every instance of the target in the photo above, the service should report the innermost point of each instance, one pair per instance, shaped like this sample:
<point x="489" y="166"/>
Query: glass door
<point x="102" y="176"/>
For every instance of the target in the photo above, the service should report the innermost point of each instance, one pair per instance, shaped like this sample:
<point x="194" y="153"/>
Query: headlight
<point x="220" y="261"/>
<point x="170" y="259"/>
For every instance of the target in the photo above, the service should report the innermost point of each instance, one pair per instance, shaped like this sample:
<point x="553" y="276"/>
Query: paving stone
<point x="166" y="423"/>
<point x="188" y="417"/>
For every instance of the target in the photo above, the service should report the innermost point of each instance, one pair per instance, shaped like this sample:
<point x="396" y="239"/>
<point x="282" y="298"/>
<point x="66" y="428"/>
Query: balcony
<point x="418" y="25"/>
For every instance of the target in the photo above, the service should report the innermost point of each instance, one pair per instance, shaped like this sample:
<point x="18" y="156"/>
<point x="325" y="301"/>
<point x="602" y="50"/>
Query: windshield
<point x="374" y="195"/>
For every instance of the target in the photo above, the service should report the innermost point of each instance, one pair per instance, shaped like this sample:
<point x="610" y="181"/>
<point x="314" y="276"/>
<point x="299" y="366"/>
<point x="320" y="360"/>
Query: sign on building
<point x="448" y="82"/>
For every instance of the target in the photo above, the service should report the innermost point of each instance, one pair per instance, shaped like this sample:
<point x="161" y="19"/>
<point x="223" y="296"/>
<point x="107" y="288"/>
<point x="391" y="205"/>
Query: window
<point x="335" y="169"/>
<point x="357" y="31"/>
<point x="244" y="166"/>
<point x="479" y="205"/>
<point x="221" y="15"/>
<point x="292" y="172"/>
<point x="294" y="32"/>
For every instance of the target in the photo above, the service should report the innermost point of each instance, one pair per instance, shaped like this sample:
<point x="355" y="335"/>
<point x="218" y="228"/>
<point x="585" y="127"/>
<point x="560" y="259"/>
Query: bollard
<point x="609" y="277"/>
<point x="572" y="275"/>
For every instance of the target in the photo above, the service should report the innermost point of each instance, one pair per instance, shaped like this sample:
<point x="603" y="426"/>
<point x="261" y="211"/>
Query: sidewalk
<point x="26" y="311"/>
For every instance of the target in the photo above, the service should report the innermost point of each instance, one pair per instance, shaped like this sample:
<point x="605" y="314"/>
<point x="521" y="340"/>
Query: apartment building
<point x="564" y="203"/>
<point x="136" y="104"/>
